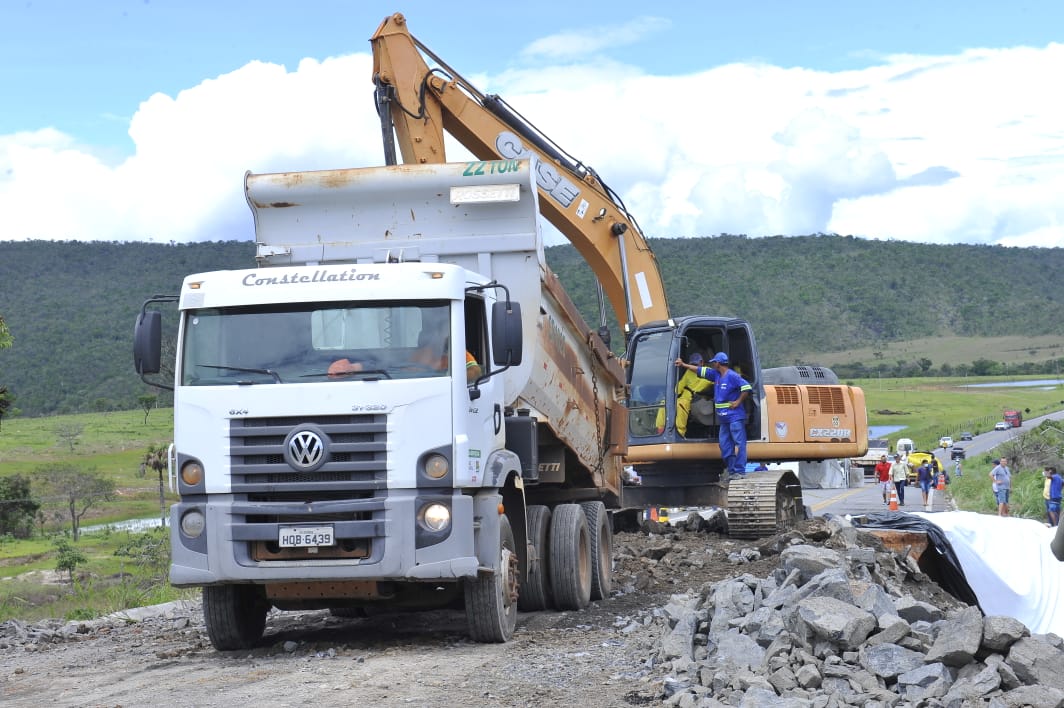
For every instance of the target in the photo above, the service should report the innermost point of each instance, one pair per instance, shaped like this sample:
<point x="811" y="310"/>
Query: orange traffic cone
<point x="941" y="481"/>
<point x="893" y="504"/>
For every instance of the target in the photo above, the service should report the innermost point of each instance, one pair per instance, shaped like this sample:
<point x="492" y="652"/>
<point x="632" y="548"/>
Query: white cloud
<point x="931" y="149"/>
<point x="588" y="42"/>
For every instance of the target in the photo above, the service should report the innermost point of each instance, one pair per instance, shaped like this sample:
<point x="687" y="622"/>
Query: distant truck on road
<point x="1013" y="418"/>
<point x="877" y="448"/>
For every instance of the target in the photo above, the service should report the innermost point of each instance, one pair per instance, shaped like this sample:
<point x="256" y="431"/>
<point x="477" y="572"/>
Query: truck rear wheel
<point x="570" y="558"/>
<point x="235" y="615"/>
<point x="598" y="526"/>
<point x="535" y="590"/>
<point x="491" y="600"/>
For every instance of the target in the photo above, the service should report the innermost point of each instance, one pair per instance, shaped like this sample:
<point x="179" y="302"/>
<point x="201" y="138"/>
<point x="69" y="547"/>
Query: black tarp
<point x="948" y="572"/>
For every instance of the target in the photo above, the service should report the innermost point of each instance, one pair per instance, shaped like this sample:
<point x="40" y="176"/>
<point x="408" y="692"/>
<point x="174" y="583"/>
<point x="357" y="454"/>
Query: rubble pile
<point x="839" y="626"/>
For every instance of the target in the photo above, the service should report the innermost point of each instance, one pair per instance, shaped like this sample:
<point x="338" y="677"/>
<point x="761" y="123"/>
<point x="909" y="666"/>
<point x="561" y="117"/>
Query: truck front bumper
<point x="392" y="545"/>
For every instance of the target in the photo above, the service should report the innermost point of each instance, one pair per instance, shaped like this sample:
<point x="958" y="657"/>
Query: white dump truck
<point x="397" y="406"/>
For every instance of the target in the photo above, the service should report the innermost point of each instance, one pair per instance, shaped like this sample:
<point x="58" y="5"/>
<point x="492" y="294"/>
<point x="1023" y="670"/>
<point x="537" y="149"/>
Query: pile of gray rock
<point x="837" y="627"/>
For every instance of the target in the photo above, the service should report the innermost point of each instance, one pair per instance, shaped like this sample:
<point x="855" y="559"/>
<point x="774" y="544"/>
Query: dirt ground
<point x="603" y="656"/>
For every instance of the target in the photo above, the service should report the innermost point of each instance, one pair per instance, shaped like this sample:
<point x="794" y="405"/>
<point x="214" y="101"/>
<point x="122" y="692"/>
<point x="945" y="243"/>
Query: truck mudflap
<point x="393" y="553"/>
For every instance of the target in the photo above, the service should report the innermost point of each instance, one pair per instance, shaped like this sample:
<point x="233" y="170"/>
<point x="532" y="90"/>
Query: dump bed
<point x="484" y="217"/>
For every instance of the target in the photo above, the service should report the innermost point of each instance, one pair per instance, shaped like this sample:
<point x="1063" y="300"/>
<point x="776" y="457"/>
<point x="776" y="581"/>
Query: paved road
<point x="868" y="498"/>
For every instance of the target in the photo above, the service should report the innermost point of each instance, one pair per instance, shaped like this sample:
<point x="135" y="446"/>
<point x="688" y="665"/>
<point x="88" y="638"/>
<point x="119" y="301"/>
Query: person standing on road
<point x="957" y="468"/>
<point x="1001" y="483"/>
<point x="925" y="476"/>
<point x="899" y="472"/>
<point x="883" y="476"/>
<point x="730" y="391"/>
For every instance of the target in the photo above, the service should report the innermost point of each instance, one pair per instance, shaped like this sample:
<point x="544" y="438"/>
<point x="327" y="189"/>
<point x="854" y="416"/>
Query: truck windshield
<point x="285" y="344"/>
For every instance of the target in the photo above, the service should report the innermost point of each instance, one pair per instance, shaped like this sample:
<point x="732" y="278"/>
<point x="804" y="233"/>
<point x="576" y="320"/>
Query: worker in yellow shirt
<point x="686" y="387"/>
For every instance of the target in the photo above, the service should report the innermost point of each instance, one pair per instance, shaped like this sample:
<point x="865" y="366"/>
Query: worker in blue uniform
<point x="730" y="391"/>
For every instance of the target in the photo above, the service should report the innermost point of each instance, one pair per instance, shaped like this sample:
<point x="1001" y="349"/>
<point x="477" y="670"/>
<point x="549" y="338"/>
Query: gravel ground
<point x="603" y="656"/>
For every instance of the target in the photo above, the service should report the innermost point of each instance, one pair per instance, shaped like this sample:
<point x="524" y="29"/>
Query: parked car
<point x="966" y="436"/>
<point x="1001" y="425"/>
<point x="957" y="453"/>
<point x="945" y="441"/>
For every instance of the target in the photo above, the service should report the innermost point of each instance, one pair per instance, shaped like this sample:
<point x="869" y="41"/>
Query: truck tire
<point x="598" y="526"/>
<point x="535" y="590"/>
<point x="235" y="615"/>
<point x="491" y="600"/>
<point x="570" y="558"/>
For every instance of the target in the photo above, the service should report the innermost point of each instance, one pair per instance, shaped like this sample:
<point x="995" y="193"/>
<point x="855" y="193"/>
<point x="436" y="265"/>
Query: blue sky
<point x="924" y="121"/>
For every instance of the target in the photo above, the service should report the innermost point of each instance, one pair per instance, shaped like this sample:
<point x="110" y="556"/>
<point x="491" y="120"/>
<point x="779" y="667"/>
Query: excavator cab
<point x="688" y="414"/>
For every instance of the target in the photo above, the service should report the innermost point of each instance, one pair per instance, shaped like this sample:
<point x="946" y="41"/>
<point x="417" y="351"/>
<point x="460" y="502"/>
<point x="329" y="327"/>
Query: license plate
<point x="305" y="536"/>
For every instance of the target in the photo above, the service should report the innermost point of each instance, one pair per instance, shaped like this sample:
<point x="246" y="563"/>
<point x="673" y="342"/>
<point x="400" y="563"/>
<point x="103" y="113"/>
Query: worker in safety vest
<point x="730" y="392"/>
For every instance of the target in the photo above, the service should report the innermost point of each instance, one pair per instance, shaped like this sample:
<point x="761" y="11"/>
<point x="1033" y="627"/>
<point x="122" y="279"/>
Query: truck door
<point x="482" y="397"/>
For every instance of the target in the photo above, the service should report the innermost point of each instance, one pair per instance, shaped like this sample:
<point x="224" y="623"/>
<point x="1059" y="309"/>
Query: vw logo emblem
<point x="305" y="450"/>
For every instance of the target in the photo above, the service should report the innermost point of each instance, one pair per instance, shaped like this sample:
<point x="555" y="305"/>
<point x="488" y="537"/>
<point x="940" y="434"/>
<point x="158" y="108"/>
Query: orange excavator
<point x="798" y="413"/>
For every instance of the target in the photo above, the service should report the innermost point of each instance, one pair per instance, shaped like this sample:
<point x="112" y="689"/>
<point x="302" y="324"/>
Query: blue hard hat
<point x="720" y="358"/>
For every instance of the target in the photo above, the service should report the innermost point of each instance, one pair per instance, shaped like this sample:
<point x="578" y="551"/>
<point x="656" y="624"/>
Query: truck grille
<point x="356" y="454"/>
<point x="343" y="492"/>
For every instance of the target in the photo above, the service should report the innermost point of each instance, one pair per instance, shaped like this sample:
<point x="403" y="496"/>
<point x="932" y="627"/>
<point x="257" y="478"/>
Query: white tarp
<point x="822" y="474"/>
<point x="1009" y="566"/>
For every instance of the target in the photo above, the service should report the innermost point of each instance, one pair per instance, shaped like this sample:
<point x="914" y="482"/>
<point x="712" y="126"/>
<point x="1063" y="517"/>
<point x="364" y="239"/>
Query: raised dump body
<point x="398" y="406"/>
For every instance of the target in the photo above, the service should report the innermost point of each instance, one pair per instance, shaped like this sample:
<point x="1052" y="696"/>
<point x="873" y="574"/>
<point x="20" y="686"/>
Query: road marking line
<point x="837" y="498"/>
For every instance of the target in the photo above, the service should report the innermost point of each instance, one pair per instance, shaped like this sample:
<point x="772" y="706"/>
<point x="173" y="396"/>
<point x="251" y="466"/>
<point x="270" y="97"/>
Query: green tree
<point x="6" y="340"/>
<point x="76" y="489"/>
<point x="150" y="552"/>
<point x="6" y="398"/>
<point x="67" y="558"/>
<point x="18" y="508"/>
<point x="147" y="401"/>
<point x="69" y="433"/>
<point x="7" y="403"/>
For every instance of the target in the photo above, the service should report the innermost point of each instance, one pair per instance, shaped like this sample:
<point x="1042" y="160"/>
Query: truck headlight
<point x="193" y="523"/>
<point x="192" y="473"/>
<point x="436" y="466"/>
<point x="435" y="517"/>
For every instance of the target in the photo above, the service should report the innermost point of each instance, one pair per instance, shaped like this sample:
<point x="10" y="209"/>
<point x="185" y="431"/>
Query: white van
<point x="904" y="446"/>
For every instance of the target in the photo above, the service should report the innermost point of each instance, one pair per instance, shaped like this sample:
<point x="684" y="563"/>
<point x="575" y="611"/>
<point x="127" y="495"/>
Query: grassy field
<point x="123" y="570"/>
<point x="111" y="444"/>
<point x="119" y="569"/>
<point x="929" y="408"/>
<point x="950" y="350"/>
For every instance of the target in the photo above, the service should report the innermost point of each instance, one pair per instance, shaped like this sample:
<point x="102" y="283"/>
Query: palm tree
<point x="157" y="458"/>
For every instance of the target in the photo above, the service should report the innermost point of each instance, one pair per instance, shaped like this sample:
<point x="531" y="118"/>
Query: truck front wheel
<point x="491" y="600"/>
<point x="235" y="615"/>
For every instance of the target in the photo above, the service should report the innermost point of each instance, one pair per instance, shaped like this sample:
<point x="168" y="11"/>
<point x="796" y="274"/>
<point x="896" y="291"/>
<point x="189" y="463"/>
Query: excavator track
<point x="763" y="503"/>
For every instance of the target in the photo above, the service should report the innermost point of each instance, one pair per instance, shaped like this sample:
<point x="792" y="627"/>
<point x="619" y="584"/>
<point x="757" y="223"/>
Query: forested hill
<point x="70" y="306"/>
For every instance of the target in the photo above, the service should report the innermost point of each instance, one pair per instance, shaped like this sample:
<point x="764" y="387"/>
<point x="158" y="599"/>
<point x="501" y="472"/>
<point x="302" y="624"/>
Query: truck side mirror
<point x="147" y="342"/>
<point x="506" y="334"/>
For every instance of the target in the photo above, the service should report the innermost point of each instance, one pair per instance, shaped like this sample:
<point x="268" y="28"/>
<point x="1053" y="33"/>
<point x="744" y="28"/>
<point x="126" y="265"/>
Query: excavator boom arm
<point x="424" y="103"/>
